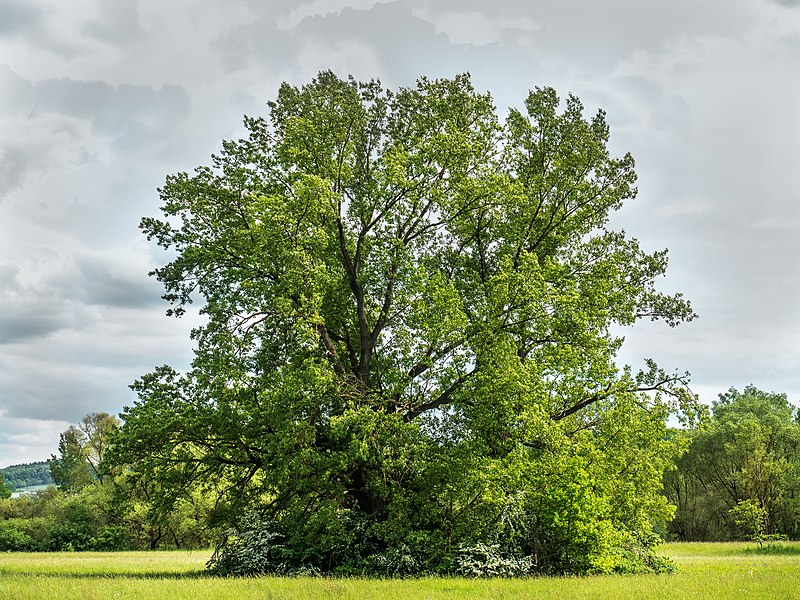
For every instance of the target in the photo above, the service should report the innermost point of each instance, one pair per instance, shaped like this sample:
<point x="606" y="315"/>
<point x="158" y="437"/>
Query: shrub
<point x="256" y="549"/>
<point x="14" y="538"/>
<point x="484" y="560"/>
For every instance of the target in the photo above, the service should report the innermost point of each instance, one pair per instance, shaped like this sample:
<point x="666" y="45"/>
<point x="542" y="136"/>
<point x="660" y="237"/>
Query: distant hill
<point x="20" y="476"/>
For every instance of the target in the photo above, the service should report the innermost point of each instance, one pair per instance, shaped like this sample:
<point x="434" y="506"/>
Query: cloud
<point x="478" y="29"/>
<point x="30" y="309"/>
<point x="295" y="13"/>
<point x="50" y="26"/>
<point x="133" y="113"/>
<point x="367" y="40"/>
<point x="259" y="42"/>
<point x="17" y="92"/>
<point x="116" y="22"/>
<point x="18" y="17"/>
<point x="114" y="283"/>
<point x="28" y="440"/>
<point x="584" y="36"/>
<point x="75" y="371"/>
<point x="402" y="44"/>
<point x="61" y="124"/>
<point x="77" y="329"/>
<point x="49" y="292"/>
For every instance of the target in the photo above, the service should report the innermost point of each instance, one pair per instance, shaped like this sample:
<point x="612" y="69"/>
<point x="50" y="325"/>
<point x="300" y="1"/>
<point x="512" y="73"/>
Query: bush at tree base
<point x="258" y="548"/>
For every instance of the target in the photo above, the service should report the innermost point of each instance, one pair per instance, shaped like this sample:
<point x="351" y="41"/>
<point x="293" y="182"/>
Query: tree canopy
<point x="5" y="491"/>
<point x="81" y="450"/>
<point x="408" y="362"/>
<point x="745" y="455"/>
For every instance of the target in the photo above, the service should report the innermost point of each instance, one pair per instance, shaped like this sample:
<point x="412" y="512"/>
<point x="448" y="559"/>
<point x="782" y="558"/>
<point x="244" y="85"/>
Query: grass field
<point x="704" y="571"/>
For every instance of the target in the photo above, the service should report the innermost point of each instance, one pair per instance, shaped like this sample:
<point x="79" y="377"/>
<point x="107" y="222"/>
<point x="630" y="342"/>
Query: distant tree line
<point x="95" y="506"/>
<point x="27" y="475"/>
<point x="740" y="476"/>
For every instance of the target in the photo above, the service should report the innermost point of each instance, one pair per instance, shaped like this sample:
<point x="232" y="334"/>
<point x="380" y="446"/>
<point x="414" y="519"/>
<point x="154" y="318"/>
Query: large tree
<point x="408" y="361"/>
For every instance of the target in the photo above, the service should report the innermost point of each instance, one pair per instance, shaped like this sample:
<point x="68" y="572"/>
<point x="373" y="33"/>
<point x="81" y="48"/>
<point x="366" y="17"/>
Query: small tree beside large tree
<point x="408" y="363"/>
<point x="81" y="450"/>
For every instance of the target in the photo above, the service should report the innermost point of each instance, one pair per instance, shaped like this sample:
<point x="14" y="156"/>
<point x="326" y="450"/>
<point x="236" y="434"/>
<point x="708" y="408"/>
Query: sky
<point x="100" y="100"/>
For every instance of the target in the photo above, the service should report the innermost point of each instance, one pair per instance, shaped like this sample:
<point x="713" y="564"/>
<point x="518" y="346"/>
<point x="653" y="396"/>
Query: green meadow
<point x="705" y="570"/>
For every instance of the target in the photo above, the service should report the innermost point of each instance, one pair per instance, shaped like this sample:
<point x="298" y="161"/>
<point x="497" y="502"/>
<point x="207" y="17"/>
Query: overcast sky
<point x="100" y="100"/>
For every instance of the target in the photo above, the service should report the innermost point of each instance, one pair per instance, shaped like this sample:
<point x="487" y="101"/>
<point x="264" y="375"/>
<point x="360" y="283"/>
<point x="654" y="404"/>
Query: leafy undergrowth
<point x="705" y="570"/>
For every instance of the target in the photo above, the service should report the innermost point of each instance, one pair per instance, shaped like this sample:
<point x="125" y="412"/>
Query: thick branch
<point x="563" y="414"/>
<point x="365" y="349"/>
<point x="444" y="398"/>
<point x="601" y="395"/>
<point x="331" y="350"/>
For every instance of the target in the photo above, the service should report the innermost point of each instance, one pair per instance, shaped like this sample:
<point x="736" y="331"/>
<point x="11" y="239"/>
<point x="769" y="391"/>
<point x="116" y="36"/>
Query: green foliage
<point x="81" y="450"/>
<point x="16" y="535"/>
<point x="97" y="508"/>
<point x="750" y="517"/>
<point x="25" y="475"/>
<point x="408" y="351"/>
<point x="185" y="525"/>
<point x="70" y="471"/>
<point x="91" y="519"/>
<point x="743" y="462"/>
<point x="5" y="491"/>
<point x="53" y="521"/>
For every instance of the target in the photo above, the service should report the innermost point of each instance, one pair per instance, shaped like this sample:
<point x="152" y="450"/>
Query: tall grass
<point x="704" y="571"/>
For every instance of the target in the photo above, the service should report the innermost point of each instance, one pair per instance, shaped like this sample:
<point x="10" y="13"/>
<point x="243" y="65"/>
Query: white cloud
<point x="28" y="440"/>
